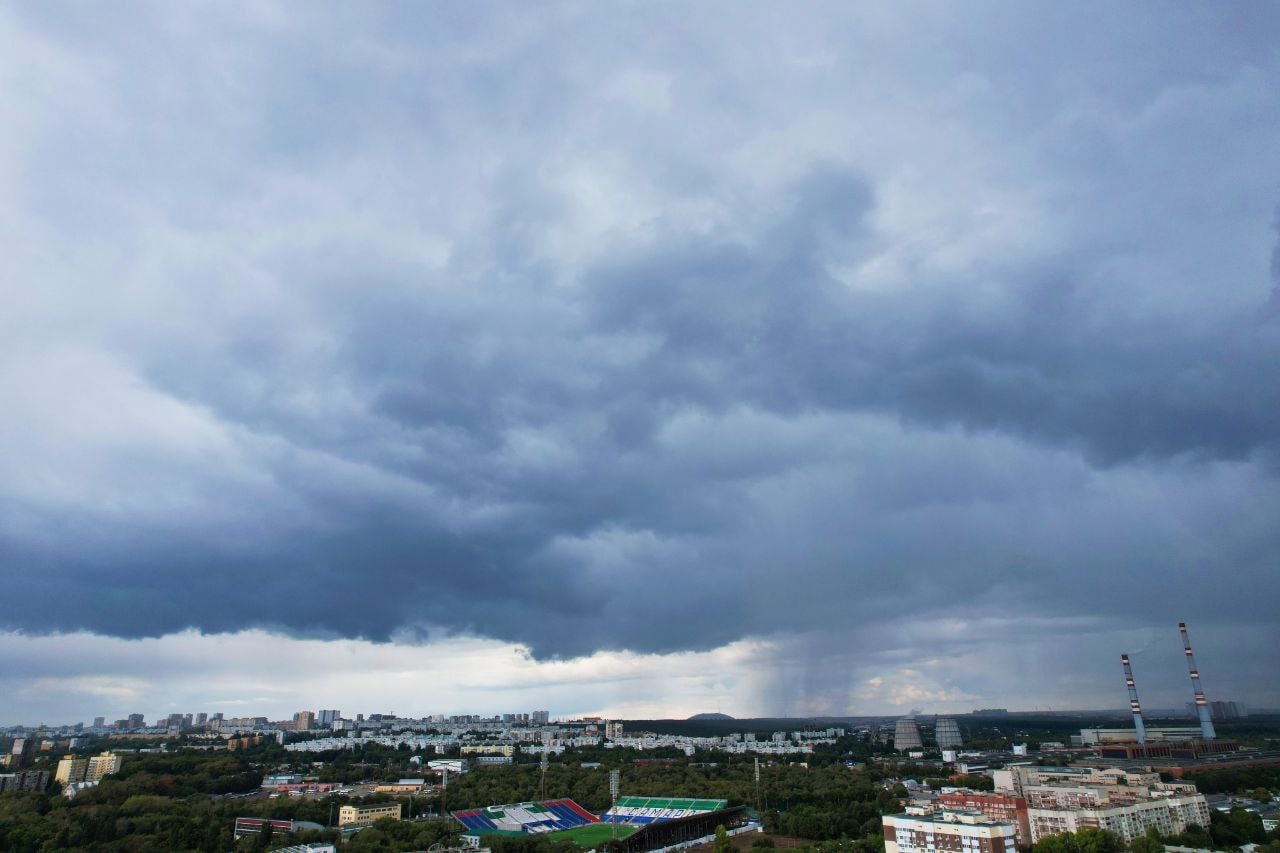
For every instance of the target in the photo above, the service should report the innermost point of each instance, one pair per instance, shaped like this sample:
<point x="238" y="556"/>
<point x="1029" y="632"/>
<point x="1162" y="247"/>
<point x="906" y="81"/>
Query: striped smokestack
<point x="1138" y="725"/>
<point x="1202" y="706"/>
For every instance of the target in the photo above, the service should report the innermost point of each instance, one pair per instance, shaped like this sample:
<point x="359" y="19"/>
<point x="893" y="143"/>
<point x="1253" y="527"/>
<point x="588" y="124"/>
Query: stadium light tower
<point x="758" y="809"/>
<point x="614" y="778"/>
<point x="546" y="749"/>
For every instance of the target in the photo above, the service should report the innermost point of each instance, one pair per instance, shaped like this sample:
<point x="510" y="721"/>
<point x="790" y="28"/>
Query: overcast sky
<point x="636" y="358"/>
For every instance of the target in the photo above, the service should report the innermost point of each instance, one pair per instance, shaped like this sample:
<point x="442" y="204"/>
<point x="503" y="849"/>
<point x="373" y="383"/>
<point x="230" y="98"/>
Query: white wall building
<point x="918" y="831"/>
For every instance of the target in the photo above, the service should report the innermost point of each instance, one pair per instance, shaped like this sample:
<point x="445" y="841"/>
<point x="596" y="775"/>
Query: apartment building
<point x="921" y="831"/>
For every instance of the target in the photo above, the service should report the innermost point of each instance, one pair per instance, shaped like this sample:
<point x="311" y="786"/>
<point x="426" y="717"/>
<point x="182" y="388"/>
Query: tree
<point x="263" y="841"/>
<point x="1084" y="841"/>
<point x="1096" y="841"/>
<point x="1148" y="843"/>
<point x="722" y="842"/>
<point x="1236" y="827"/>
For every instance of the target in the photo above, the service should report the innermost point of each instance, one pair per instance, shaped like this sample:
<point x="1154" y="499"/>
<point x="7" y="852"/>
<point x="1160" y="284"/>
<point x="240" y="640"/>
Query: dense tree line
<point x="163" y="802"/>
<point x="1084" y="841"/>
<point x="1237" y="780"/>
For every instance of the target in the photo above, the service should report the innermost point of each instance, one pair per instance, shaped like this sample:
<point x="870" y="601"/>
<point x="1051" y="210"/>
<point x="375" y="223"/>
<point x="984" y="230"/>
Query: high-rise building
<point x="99" y="722"/>
<point x="540" y="718"/>
<point x="1002" y="808"/>
<point x="71" y="768"/>
<point x="906" y="734"/>
<point x="1126" y="802"/>
<point x="1170" y="815"/>
<point x="136" y="721"/>
<point x="326" y="717"/>
<point x="303" y="721"/>
<point x="918" y="831"/>
<point x="1220" y="710"/>
<point x="102" y="765"/>
<point x="22" y="751"/>
<point x="948" y="734"/>
<point x="24" y="780"/>
<point x="202" y="718"/>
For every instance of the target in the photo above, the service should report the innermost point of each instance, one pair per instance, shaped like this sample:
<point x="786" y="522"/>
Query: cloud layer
<point x="653" y="329"/>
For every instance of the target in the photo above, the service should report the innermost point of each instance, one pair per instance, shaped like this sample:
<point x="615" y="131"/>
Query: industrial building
<point x="365" y="815"/>
<point x="1174" y="742"/>
<point x="947" y="733"/>
<point x="254" y="825"/>
<point x="403" y="787"/>
<point x="906" y="735"/>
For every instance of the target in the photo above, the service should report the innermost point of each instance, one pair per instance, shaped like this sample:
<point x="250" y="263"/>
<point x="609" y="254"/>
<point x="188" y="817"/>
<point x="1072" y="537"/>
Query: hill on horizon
<point x="712" y="716"/>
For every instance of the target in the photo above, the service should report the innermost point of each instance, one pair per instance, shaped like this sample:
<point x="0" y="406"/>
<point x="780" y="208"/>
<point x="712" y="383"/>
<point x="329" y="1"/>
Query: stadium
<point x="632" y="819"/>
<point x="638" y="811"/>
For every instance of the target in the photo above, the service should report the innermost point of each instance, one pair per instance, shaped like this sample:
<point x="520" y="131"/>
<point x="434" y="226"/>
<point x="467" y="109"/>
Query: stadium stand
<point x="526" y="818"/>
<point x="683" y="830"/>
<point x="639" y="811"/>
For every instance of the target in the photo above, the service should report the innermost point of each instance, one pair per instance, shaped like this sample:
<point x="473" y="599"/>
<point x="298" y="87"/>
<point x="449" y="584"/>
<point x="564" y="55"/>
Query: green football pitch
<point x="591" y="835"/>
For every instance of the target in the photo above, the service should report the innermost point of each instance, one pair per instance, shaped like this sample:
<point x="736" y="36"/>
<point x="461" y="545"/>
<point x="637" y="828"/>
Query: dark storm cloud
<point x="591" y="333"/>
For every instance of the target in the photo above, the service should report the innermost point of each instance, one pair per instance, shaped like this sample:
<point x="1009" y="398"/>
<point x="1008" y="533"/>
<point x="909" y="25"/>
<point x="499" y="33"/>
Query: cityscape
<point x="639" y="426"/>
<point x="989" y="781"/>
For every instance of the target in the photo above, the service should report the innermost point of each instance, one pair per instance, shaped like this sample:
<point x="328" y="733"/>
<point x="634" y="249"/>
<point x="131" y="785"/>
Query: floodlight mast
<point x="613" y="792"/>
<point x="546" y="749"/>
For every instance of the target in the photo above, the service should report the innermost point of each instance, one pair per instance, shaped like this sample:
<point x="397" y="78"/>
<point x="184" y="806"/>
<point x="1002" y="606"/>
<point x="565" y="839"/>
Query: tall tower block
<point x="1138" y="725"/>
<point x="1202" y="706"/>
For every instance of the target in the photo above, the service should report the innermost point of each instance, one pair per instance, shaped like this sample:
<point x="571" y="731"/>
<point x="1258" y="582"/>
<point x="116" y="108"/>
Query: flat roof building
<point x="1169" y="816"/>
<point x="1001" y="808"/>
<point x="71" y="769"/>
<point x="103" y="765"/>
<point x="947" y="832"/>
<point x="363" y="816"/>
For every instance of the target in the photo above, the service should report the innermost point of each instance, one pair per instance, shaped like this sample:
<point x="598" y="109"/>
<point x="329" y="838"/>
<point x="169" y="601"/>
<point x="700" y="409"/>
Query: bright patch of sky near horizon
<point x="642" y="360"/>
